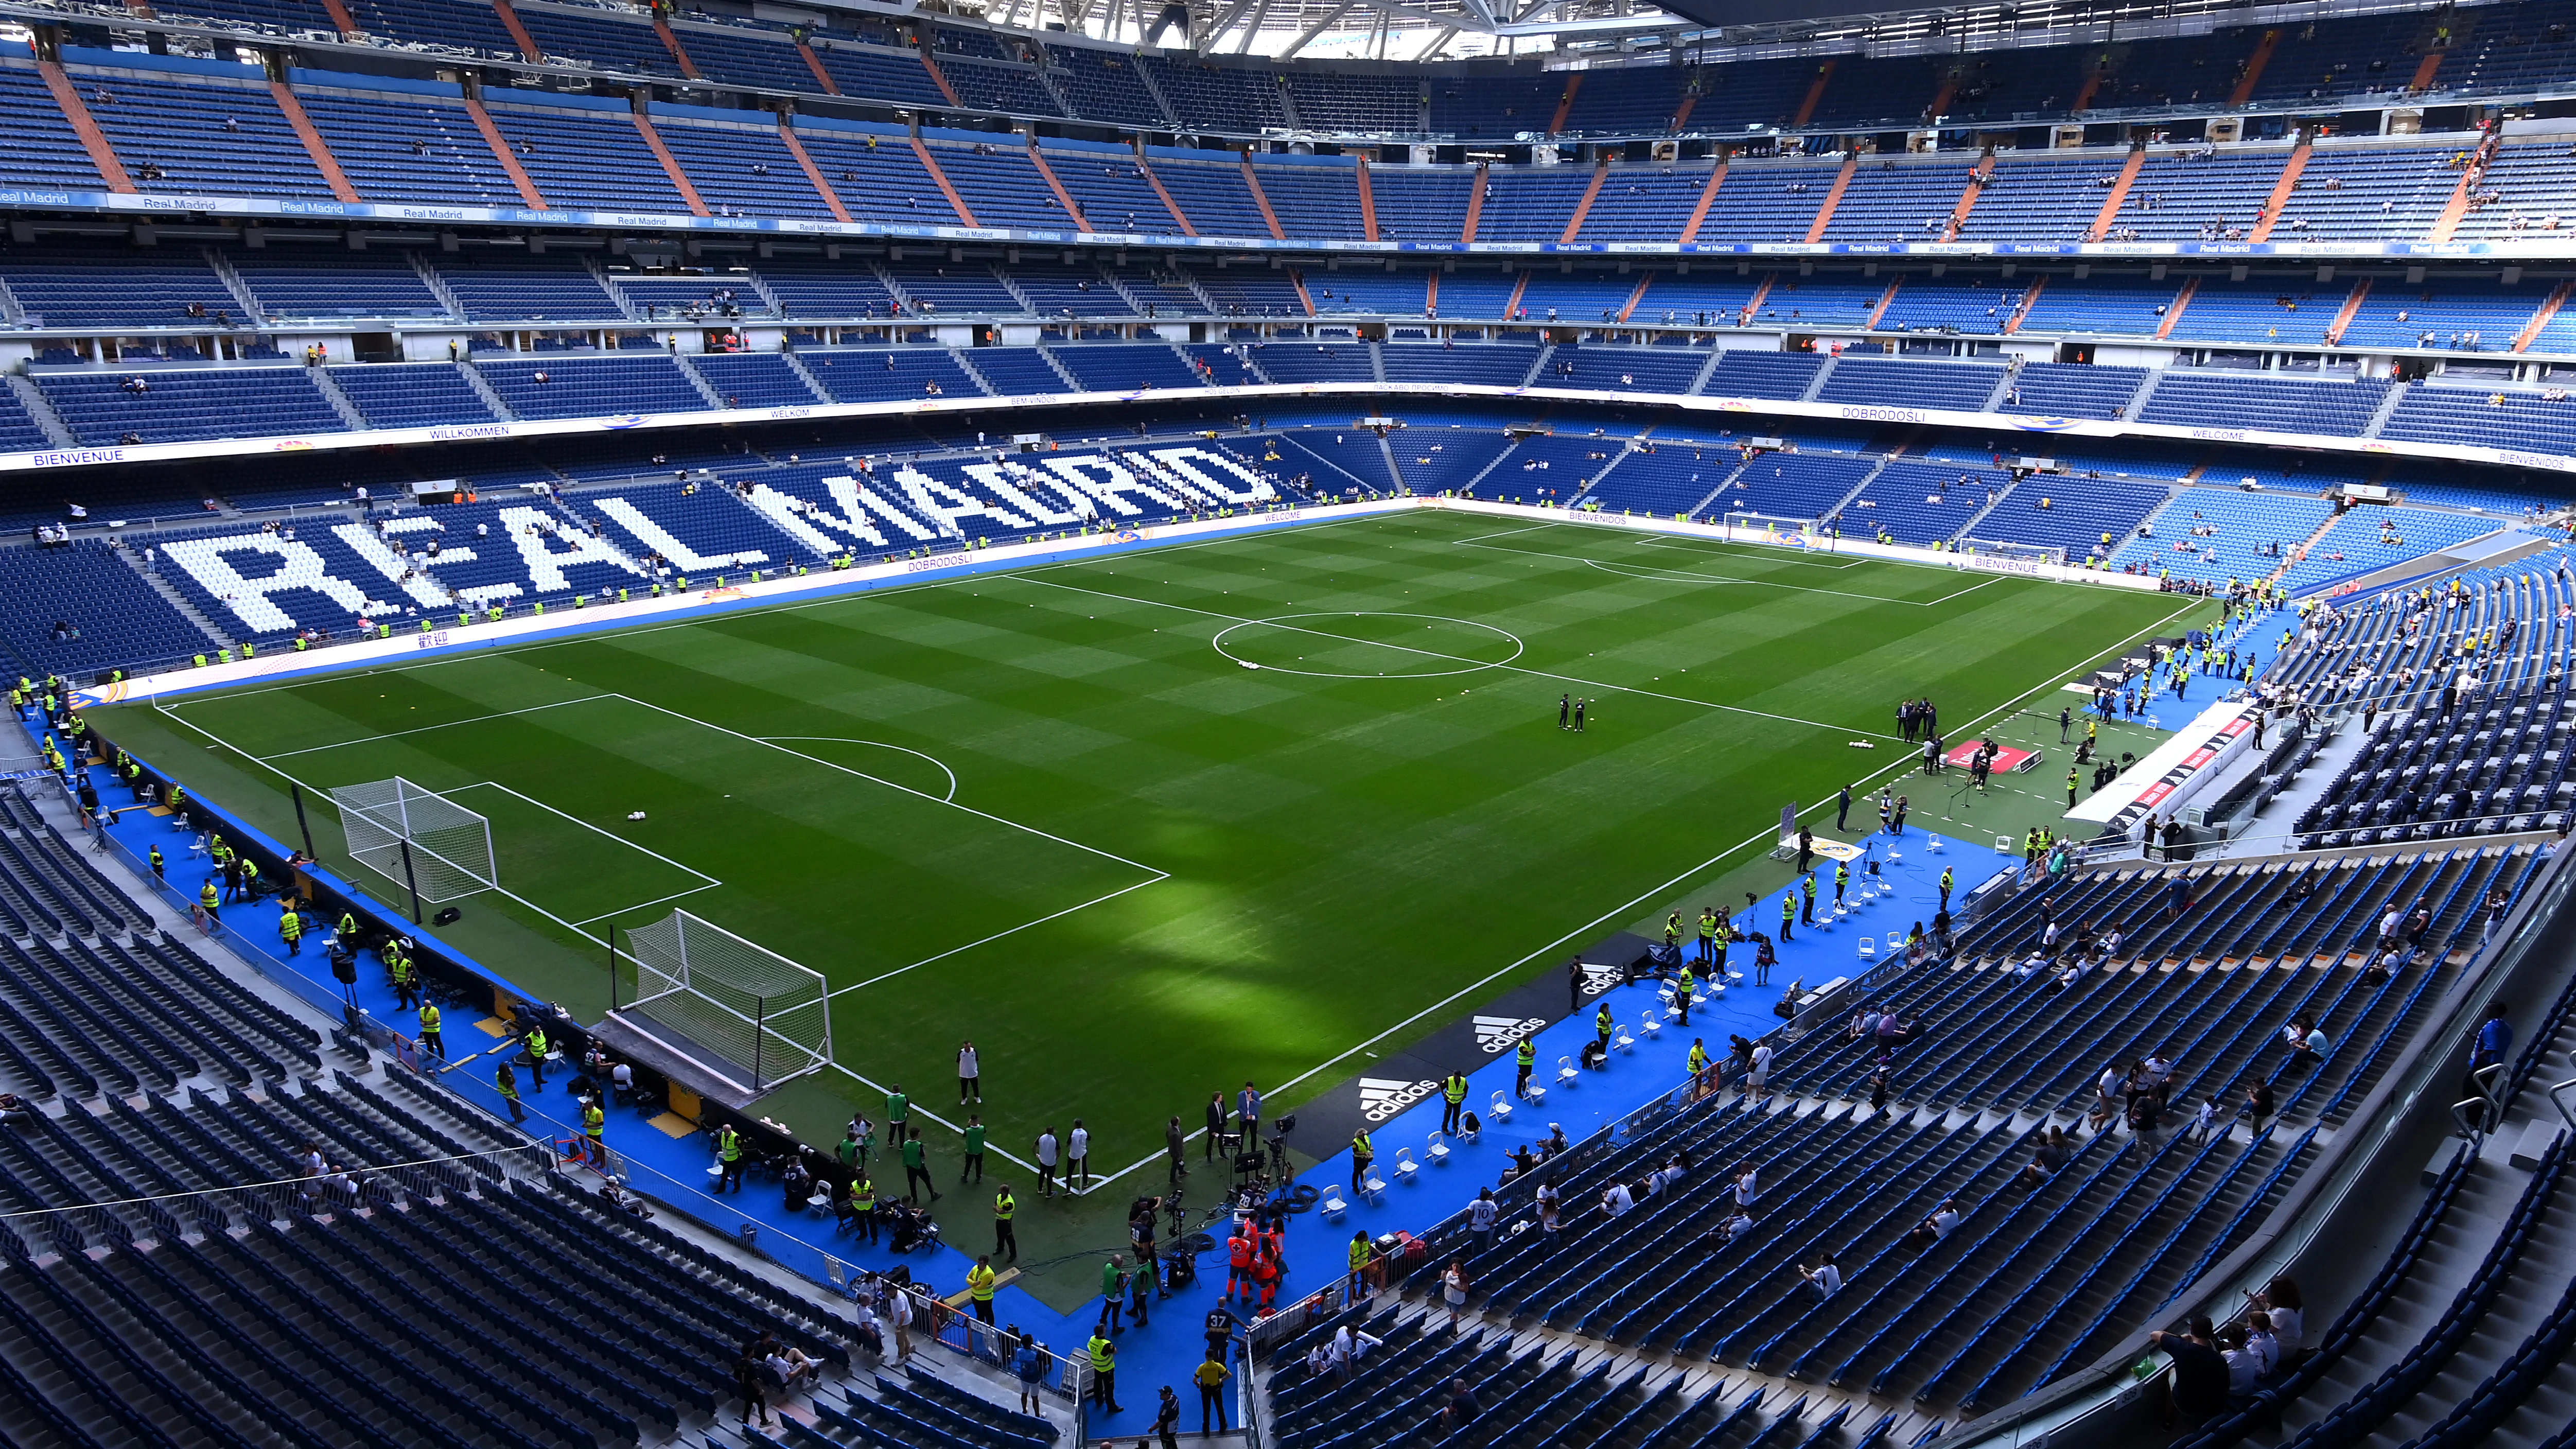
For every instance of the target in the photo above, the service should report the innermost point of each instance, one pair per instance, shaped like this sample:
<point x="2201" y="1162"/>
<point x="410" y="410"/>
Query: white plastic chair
<point x="1895" y="942"/>
<point x="1624" y="1042"/>
<point x="1650" y="1026"/>
<point x="1934" y="845"/>
<point x="1868" y="949"/>
<point x="1405" y="1166"/>
<point x="1567" y="1073"/>
<point x="2004" y="845"/>
<point x="1332" y="1206"/>
<point x="1501" y="1111"/>
<point x="1437" y="1150"/>
<point x="1373" y="1187"/>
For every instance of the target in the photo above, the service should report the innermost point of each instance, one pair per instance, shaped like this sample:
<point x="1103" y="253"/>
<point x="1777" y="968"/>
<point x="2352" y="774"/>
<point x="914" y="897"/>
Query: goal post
<point x="740" y="1009"/>
<point x="416" y="838"/>
<point x="1771" y="528"/>
<point x="2029" y="553"/>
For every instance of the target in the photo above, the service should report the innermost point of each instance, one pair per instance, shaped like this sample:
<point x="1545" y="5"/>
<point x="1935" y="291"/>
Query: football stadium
<point x="606" y="600"/>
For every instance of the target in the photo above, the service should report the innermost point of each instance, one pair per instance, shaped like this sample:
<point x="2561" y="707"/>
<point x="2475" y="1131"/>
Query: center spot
<point x="1368" y="645"/>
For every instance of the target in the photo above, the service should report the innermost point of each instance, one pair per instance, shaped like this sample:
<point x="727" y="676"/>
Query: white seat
<point x="1332" y="1206"/>
<point x="1373" y="1187"/>
<point x="1650" y="1026"/>
<point x="2003" y="845"/>
<point x="1934" y="846"/>
<point x="1501" y="1111"/>
<point x="1437" y="1150"/>
<point x="1868" y="949"/>
<point x="1405" y="1166"/>
<point x="1566" y="1072"/>
<point x="1537" y="1095"/>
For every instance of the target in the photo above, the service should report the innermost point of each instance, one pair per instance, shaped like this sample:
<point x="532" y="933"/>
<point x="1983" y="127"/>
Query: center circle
<point x="1368" y="644"/>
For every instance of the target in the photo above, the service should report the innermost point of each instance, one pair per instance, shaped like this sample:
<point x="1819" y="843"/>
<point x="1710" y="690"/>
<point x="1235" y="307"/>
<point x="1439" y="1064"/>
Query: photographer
<point x="1140" y="1227"/>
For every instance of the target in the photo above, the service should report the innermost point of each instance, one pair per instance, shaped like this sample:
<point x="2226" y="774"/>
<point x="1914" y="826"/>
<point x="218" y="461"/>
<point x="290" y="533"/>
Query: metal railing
<point x="164" y="1217"/>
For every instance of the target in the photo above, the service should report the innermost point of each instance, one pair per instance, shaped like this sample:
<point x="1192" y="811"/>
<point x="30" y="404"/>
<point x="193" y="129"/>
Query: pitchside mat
<point x="1147" y="826"/>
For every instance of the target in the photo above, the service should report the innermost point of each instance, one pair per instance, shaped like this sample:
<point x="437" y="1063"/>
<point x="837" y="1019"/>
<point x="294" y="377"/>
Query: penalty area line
<point x="425" y="729"/>
<point x="1159" y="877"/>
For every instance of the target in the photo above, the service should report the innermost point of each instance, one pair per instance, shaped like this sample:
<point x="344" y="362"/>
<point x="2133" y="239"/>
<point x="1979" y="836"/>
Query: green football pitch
<point x="1058" y="811"/>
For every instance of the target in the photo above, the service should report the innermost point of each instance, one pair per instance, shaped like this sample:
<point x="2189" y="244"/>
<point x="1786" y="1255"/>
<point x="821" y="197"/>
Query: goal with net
<point x="739" y="1010"/>
<point x="416" y="838"/>
<point x="2019" y="553"/>
<point x="1766" y="528"/>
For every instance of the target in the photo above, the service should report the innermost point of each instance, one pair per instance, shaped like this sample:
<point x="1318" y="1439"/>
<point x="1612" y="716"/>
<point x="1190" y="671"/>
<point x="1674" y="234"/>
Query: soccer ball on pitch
<point x="634" y="814"/>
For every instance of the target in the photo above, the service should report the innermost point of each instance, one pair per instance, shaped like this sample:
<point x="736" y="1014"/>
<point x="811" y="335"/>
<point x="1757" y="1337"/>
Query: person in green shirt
<point x="1113" y="1296"/>
<point x="916" y="1171"/>
<point x="898" y="1108"/>
<point x="974" y="1151"/>
<point x="853" y="1156"/>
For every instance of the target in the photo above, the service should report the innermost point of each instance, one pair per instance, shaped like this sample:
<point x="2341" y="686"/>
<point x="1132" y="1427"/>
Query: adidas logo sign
<point x="1597" y="979"/>
<point x="1498" y="1034"/>
<point x="1381" y="1098"/>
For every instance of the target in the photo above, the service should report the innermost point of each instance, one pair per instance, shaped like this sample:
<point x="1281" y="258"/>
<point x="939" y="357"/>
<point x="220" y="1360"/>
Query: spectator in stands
<point x="2199" y="1384"/>
<point x="2143" y="1119"/>
<point x="1462" y="1410"/>
<point x="1480" y="1218"/>
<point x="2205" y="1121"/>
<point x="2307" y="1043"/>
<point x="1826" y="1277"/>
<point x="2495" y="1037"/>
<point x="2260" y="1342"/>
<point x="2286" y="1313"/>
<point x="748" y="1381"/>
<point x="2110" y="1091"/>
<point x="1454" y="1288"/>
<point x="2258" y="1102"/>
<point x="2244" y="1365"/>
<point x="1934" y="1228"/>
<point x="2052" y="1154"/>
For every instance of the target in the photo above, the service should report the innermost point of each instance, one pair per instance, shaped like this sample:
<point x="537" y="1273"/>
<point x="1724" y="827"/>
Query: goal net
<point x="417" y="838"/>
<point x="2018" y="552"/>
<point x="1768" y="528"/>
<point x="743" y="1011"/>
